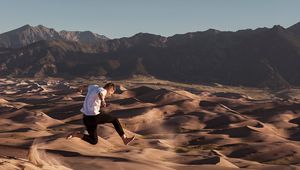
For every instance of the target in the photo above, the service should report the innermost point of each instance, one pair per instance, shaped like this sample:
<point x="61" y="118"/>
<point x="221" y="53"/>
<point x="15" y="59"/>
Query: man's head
<point x="110" y="87"/>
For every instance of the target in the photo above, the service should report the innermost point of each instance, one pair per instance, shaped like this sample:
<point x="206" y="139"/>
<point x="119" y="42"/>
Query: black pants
<point x="91" y="123"/>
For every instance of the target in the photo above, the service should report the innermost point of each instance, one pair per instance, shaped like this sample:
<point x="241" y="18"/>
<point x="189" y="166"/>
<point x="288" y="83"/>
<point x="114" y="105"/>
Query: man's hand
<point x="103" y="104"/>
<point x="101" y="97"/>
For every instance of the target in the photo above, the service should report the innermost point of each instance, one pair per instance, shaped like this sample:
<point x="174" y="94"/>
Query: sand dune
<point x="175" y="128"/>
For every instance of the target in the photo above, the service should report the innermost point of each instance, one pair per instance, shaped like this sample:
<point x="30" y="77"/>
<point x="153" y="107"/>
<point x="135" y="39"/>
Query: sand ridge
<point x="175" y="129"/>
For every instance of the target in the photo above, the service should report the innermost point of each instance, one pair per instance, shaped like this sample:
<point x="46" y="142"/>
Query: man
<point x="92" y="115"/>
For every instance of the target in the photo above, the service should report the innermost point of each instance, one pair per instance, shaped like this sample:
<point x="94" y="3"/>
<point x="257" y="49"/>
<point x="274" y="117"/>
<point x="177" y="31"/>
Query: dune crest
<point x="176" y="127"/>
<point x="39" y="158"/>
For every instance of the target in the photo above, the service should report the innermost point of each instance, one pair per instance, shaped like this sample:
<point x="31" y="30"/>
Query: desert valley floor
<point x="177" y="126"/>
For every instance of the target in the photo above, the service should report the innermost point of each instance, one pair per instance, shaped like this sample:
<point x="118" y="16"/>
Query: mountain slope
<point x="27" y="34"/>
<point x="264" y="57"/>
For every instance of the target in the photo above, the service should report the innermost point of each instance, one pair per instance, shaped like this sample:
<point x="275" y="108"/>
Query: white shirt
<point x="92" y="103"/>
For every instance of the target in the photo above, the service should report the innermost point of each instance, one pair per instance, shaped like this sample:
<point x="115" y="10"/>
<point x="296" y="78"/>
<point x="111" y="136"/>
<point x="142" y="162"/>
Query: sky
<point x="124" y="18"/>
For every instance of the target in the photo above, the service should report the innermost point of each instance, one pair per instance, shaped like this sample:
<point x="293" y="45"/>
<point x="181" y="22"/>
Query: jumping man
<point x="92" y="115"/>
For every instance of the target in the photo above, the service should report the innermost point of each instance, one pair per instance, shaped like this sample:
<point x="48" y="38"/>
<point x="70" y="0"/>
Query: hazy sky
<point x="123" y="18"/>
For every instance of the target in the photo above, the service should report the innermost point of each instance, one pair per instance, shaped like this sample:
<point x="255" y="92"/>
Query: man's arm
<point x="101" y="97"/>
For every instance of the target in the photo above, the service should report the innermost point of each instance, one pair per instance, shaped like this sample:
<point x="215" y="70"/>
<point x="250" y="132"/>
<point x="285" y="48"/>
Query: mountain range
<point x="27" y="34"/>
<point x="263" y="57"/>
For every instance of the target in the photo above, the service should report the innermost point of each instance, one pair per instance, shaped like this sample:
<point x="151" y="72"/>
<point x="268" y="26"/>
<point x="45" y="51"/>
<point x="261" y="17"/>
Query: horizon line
<point x="151" y="32"/>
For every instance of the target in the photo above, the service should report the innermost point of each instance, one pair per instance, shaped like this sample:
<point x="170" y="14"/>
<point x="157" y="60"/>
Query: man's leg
<point x="106" y="118"/>
<point x="92" y="137"/>
<point x="90" y="122"/>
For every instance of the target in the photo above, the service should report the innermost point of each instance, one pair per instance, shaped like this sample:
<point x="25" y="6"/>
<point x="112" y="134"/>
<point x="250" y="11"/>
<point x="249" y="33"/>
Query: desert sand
<point x="176" y="127"/>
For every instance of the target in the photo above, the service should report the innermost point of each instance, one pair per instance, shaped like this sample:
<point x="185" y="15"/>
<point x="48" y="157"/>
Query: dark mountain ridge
<point x="264" y="57"/>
